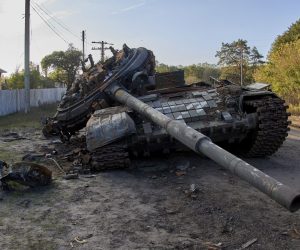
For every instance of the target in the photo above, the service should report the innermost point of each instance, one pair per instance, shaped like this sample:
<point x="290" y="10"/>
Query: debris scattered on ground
<point x="157" y="206"/>
<point x="56" y="164"/>
<point x="180" y="173"/>
<point x="80" y="239"/>
<point x="24" y="173"/>
<point x="12" y="136"/>
<point x="90" y="176"/>
<point x="248" y="244"/>
<point x="192" y="192"/>
<point x="213" y="246"/>
<point x="55" y="142"/>
<point x="71" y="176"/>
<point x="297" y="232"/>
<point x="193" y="188"/>
<point x="294" y="233"/>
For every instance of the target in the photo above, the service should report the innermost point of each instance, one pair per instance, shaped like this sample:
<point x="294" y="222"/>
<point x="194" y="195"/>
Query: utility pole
<point x="83" y="42"/>
<point x="27" y="56"/>
<point x="241" y="64"/>
<point x="102" y="48"/>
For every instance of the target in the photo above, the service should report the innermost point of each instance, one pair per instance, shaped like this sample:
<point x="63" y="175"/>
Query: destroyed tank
<point x="128" y="110"/>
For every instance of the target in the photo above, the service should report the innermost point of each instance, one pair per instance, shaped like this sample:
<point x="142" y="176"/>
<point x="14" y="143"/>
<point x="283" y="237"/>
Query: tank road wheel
<point x="272" y="126"/>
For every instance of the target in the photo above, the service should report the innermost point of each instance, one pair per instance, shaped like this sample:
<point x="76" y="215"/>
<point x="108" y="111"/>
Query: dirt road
<point x="152" y="208"/>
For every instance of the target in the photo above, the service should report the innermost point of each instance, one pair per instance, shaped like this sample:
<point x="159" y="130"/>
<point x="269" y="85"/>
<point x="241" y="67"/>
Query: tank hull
<point x="135" y="118"/>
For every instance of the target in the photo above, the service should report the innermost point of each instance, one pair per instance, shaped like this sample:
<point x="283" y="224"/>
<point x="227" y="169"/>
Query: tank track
<point x="272" y="126"/>
<point x="113" y="156"/>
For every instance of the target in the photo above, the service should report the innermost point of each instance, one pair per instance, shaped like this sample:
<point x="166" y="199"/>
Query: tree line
<point x="194" y="72"/>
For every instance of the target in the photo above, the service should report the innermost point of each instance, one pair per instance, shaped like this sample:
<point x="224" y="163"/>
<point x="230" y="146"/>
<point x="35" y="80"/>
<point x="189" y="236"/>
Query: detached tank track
<point x="272" y="126"/>
<point x="113" y="156"/>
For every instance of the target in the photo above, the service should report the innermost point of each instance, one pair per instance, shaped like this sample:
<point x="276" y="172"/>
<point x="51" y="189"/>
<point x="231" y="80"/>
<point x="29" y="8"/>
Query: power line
<point x="58" y="21"/>
<point x="47" y="12"/>
<point x="49" y="25"/>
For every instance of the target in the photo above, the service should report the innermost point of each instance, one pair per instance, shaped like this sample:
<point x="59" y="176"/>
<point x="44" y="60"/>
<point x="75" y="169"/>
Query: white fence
<point x="12" y="101"/>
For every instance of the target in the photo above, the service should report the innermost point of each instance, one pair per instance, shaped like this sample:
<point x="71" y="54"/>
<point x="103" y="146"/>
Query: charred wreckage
<point x="129" y="110"/>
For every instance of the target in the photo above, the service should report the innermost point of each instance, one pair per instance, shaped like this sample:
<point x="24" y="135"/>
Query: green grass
<point x="30" y="120"/>
<point x="8" y="155"/>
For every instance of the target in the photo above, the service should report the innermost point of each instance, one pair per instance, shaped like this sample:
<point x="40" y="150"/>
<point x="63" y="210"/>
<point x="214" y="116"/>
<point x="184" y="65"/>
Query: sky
<point x="179" y="32"/>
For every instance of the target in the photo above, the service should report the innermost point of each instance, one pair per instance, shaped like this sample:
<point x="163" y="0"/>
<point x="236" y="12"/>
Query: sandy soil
<point x="150" y="207"/>
<point x="295" y="119"/>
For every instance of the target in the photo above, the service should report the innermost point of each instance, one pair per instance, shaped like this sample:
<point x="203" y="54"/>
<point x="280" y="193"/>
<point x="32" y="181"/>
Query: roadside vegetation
<point x="282" y="69"/>
<point x="31" y="120"/>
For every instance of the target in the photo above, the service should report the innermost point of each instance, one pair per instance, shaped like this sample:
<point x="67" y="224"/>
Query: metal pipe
<point x="200" y="143"/>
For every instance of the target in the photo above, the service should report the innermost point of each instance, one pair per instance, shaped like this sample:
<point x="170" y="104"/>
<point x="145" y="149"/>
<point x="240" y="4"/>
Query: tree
<point x="62" y="65"/>
<point x="161" y="67"/>
<point x="282" y="69"/>
<point x="16" y="80"/>
<point x="238" y="61"/>
<point x="291" y="35"/>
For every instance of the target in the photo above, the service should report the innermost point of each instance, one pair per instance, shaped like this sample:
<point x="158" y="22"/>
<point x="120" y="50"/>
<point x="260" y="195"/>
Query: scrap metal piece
<point x="25" y="173"/>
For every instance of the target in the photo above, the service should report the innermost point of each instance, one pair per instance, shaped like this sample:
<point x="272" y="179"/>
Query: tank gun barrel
<point x="200" y="143"/>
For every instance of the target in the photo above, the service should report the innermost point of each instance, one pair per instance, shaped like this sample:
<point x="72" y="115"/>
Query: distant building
<point x="1" y="72"/>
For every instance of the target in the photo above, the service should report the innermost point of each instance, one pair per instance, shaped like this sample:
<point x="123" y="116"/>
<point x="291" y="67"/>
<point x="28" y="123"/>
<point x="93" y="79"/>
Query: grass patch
<point x="30" y="120"/>
<point x="9" y="155"/>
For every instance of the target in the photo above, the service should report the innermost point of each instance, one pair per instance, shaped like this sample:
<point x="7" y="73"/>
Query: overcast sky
<point x="177" y="31"/>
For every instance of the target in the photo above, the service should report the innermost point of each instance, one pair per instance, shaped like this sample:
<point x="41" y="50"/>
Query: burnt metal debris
<point x="126" y="114"/>
<point x="24" y="173"/>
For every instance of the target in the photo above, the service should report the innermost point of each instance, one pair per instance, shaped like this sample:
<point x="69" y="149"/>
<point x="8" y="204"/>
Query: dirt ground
<point x="150" y="207"/>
